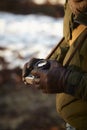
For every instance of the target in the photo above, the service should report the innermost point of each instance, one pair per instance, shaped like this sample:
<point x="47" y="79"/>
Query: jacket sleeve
<point x="77" y="78"/>
<point x="77" y="83"/>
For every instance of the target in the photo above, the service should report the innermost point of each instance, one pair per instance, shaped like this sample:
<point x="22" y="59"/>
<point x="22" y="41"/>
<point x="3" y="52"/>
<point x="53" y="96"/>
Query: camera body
<point x="42" y="64"/>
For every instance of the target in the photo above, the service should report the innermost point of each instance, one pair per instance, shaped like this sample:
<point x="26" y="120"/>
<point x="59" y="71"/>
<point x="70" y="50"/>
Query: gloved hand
<point x="28" y="67"/>
<point x="78" y="6"/>
<point x="52" y="80"/>
<point x="56" y="79"/>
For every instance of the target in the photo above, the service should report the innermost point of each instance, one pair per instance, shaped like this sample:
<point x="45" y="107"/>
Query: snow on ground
<point x="26" y="36"/>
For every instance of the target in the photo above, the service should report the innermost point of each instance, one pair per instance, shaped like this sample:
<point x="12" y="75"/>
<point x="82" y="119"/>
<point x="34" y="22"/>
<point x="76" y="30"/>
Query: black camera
<point x="42" y="64"/>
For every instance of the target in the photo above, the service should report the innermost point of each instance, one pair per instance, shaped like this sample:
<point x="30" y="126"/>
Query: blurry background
<point x="28" y="28"/>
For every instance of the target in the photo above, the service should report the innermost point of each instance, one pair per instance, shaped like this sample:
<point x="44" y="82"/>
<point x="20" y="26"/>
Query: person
<point x="67" y="78"/>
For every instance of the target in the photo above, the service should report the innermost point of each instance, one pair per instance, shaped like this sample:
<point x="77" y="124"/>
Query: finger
<point x="37" y="80"/>
<point x="25" y="71"/>
<point x="36" y="72"/>
<point x="36" y="83"/>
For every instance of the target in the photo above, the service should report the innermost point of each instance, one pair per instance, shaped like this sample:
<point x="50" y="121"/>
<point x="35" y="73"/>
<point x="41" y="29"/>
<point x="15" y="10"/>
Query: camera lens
<point x="42" y="64"/>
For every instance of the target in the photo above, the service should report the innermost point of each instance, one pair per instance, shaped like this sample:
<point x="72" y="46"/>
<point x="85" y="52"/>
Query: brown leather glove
<point x="28" y="67"/>
<point x="52" y="80"/>
<point x="55" y="78"/>
<point x="78" y="6"/>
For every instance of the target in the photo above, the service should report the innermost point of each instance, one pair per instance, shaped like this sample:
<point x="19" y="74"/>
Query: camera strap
<point x="78" y="46"/>
<point x="75" y="34"/>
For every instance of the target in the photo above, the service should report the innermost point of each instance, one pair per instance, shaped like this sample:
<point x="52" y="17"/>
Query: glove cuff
<point x="74" y="75"/>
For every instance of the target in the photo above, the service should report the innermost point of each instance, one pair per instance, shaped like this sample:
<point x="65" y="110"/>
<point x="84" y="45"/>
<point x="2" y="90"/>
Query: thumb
<point x="36" y="72"/>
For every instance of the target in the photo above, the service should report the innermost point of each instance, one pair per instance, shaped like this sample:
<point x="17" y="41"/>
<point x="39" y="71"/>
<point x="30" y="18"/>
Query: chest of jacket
<point x="66" y="104"/>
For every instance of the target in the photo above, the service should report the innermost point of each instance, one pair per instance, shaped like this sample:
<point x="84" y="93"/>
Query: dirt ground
<point x="24" y="108"/>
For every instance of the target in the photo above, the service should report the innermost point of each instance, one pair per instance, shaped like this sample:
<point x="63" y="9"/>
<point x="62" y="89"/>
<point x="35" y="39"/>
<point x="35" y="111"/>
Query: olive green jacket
<point x="73" y="109"/>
